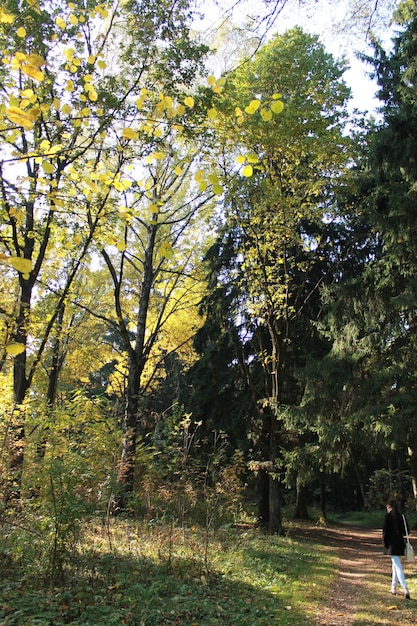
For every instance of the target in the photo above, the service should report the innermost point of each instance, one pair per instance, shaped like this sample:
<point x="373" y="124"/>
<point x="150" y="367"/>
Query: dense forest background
<point x="208" y="280"/>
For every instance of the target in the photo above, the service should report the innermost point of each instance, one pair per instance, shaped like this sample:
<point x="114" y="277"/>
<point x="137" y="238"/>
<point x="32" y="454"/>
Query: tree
<point x="288" y="178"/>
<point x="363" y="393"/>
<point x="159" y="261"/>
<point x="391" y="202"/>
<point x="81" y="85"/>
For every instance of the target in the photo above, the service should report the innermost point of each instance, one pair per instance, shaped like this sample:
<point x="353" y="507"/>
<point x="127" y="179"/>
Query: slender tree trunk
<point x="391" y="482"/>
<point x="126" y="470"/>
<point x="301" y="511"/>
<point x="361" y="485"/>
<point x="20" y="385"/>
<point x="275" y="520"/>
<point x="412" y="457"/>
<point x="263" y="499"/>
<point x="323" y="508"/>
<point x="53" y="377"/>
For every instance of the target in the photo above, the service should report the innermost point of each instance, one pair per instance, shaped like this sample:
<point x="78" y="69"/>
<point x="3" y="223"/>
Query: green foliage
<point x="144" y="579"/>
<point x="370" y="308"/>
<point x="69" y="472"/>
<point x="385" y="484"/>
<point x="274" y="233"/>
<point x="187" y="477"/>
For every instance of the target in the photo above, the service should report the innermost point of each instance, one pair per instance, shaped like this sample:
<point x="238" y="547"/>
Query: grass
<point x="140" y="574"/>
<point x="143" y="575"/>
<point x="369" y="519"/>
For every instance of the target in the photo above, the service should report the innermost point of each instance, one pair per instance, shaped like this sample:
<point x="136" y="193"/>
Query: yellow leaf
<point x="213" y="178"/>
<point x="61" y="23"/>
<point x="252" y="157"/>
<point x="166" y="250"/>
<point x="166" y="102"/>
<point x="21" y="32"/>
<point x="73" y="19"/>
<point x="47" y="167"/>
<point x="129" y="133"/>
<point x="253" y="106"/>
<point x="91" y="59"/>
<point x="33" y="72"/>
<point x="277" y="106"/>
<point x="159" y="155"/>
<point x="20" y="264"/>
<point x="241" y="159"/>
<point x="247" y="171"/>
<point x="14" y="348"/>
<point x="211" y="80"/>
<point x="178" y="170"/>
<point x="217" y="190"/>
<point x="6" y="18"/>
<point x="212" y="114"/>
<point x="27" y="93"/>
<point x="35" y="59"/>
<point x="266" y="115"/>
<point x="69" y="53"/>
<point x="66" y="109"/>
<point x="19" y="117"/>
<point x="34" y="4"/>
<point x="189" y="102"/>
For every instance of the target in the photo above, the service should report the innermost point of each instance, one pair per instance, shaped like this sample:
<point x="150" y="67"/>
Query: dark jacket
<point x="393" y="533"/>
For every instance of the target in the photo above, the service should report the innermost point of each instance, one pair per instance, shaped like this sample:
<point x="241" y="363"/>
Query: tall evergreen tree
<point x="290" y="172"/>
<point x="363" y="394"/>
<point x="393" y="212"/>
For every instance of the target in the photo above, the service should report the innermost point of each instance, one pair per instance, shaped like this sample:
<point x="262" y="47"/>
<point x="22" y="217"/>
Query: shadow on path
<point x="363" y="570"/>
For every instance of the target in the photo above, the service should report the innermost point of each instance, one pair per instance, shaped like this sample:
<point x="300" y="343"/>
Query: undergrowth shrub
<point x="385" y="484"/>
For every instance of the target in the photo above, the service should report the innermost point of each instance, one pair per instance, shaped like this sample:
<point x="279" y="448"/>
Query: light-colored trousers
<point x="397" y="574"/>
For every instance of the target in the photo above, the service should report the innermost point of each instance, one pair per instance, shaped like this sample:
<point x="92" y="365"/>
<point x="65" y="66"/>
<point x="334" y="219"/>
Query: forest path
<point x="361" y="592"/>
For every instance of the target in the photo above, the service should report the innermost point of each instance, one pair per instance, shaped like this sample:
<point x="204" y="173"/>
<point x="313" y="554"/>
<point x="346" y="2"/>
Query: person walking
<point x="393" y="533"/>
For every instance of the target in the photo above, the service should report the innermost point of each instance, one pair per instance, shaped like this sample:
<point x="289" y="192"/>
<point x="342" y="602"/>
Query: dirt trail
<point x="361" y="564"/>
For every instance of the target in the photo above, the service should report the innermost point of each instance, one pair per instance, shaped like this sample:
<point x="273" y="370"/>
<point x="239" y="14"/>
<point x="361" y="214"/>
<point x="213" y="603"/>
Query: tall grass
<point x="159" y="574"/>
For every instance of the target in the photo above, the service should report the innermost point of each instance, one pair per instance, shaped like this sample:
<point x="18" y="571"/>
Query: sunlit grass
<point x="151" y="574"/>
<point x="131" y="573"/>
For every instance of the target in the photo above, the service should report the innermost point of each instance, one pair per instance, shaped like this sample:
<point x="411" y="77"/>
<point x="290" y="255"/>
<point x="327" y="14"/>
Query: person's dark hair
<point x="396" y="517"/>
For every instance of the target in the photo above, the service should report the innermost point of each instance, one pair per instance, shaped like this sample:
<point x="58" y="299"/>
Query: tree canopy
<point x="189" y="257"/>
